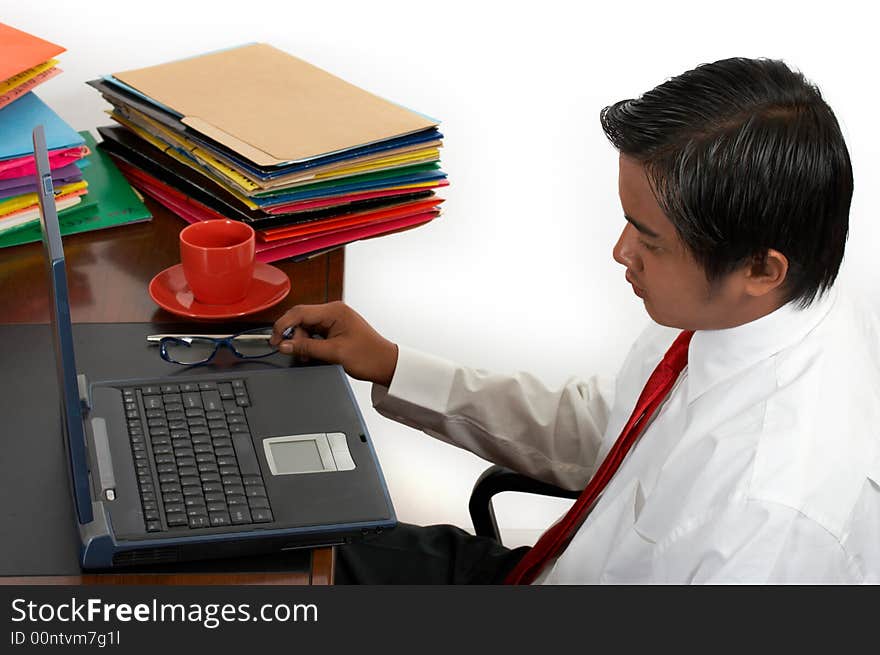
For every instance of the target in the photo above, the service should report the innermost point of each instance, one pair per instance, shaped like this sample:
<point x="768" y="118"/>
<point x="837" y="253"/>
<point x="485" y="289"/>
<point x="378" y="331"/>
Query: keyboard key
<point x="193" y="411"/>
<point x="219" y="518"/>
<point x="150" y="391"/>
<point x="238" y="500"/>
<point x="212" y="487"/>
<point x="197" y="510"/>
<point x="170" y="488"/>
<point x="239" y="514"/>
<point x="192" y="490"/>
<point x="175" y="520"/>
<point x="193" y="501"/>
<point x="199" y="522"/>
<point x="168" y="478"/>
<point x="154" y="526"/>
<point x="237" y="384"/>
<point x="235" y="489"/>
<point x="225" y="460"/>
<point x="258" y="503"/>
<point x="209" y="476"/>
<point x="172" y="498"/>
<point x="215" y="497"/>
<point x="214" y="424"/>
<point x="224" y="451"/>
<point x="190" y="388"/>
<point x="172" y="398"/>
<point x="153" y="402"/>
<point x="225" y="390"/>
<point x="239" y="429"/>
<point x="261" y="515"/>
<point x="211" y="400"/>
<point x="174" y="508"/>
<point x="192" y="400"/>
<point x="216" y="507"/>
<point x="169" y="388"/>
<point x="242" y="401"/>
<point x="190" y="481"/>
<point x="173" y="407"/>
<point x="234" y="420"/>
<point x="151" y="515"/>
<point x="216" y="415"/>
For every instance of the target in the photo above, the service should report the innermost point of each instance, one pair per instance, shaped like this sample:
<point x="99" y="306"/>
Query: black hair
<point x="744" y="155"/>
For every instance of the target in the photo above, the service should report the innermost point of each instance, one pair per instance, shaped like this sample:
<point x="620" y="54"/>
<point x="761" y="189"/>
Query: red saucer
<point x="171" y="292"/>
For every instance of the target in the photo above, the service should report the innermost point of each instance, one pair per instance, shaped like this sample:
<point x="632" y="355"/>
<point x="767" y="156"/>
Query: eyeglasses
<point x="201" y="349"/>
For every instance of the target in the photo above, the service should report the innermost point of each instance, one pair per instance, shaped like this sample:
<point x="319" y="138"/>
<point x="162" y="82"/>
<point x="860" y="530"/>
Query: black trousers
<point x="434" y="554"/>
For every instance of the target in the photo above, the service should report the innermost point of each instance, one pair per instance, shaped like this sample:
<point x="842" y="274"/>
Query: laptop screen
<point x="62" y="332"/>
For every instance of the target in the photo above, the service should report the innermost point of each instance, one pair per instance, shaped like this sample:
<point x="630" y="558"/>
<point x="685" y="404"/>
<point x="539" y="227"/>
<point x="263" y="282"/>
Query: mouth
<point x="636" y="289"/>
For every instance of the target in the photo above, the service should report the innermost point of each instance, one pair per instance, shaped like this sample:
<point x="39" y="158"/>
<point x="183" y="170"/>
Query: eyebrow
<point x="641" y="228"/>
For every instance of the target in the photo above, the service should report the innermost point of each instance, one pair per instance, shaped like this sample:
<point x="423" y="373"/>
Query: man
<point x="756" y="453"/>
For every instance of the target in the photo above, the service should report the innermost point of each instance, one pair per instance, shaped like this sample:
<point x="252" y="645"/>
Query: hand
<point x="347" y="340"/>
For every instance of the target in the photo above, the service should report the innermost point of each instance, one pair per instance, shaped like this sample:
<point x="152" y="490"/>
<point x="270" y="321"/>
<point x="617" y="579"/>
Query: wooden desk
<point x="108" y="273"/>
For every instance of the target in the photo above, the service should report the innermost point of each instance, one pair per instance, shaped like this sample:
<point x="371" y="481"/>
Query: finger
<point x="286" y="346"/>
<point x="315" y="318"/>
<point x="305" y="348"/>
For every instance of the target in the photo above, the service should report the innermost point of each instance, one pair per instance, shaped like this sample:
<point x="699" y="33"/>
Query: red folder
<point x="192" y="211"/>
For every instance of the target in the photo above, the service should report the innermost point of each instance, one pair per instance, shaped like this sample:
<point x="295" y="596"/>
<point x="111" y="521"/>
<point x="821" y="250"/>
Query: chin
<point x="665" y="320"/>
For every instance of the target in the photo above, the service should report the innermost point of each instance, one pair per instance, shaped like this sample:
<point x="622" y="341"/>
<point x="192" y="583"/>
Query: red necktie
<point x="555" y="539"/>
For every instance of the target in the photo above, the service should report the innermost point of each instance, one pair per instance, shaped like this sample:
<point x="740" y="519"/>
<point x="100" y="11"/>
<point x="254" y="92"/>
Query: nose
<point x="625" y="250"/>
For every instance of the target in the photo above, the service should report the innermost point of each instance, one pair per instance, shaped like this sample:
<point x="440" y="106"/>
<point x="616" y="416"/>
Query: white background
<point x="517" y="273"/>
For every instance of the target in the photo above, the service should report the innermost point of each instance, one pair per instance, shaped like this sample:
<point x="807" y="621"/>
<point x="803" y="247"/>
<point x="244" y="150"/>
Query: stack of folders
<point x="25" y="62"/>
<point x="251" y="133"/>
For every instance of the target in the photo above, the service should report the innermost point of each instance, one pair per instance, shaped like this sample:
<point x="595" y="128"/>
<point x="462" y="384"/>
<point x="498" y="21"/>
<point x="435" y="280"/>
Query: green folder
<point x="110" y="201"/>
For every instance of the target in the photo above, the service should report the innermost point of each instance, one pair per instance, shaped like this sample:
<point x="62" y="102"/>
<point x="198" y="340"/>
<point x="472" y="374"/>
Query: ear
<point x="766" y="274"/>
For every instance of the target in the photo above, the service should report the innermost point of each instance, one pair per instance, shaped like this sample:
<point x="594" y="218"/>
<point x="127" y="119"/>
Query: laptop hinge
<point x="83" y="386"/>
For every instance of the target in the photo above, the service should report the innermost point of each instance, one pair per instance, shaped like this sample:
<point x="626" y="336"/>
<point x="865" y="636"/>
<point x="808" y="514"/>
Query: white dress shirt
<point x="762" y="465"/>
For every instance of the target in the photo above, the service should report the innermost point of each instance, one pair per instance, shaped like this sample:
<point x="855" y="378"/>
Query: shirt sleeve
<point x="513" y="420"/>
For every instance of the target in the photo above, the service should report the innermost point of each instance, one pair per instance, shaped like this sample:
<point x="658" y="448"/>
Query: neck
<point x="751" y="310"/>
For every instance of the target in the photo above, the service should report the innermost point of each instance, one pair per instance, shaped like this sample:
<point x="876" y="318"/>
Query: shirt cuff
<point x="420" y="380"/>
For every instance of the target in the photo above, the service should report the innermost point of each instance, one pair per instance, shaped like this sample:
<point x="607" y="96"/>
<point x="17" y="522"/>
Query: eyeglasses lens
<point x="190" y="351"/>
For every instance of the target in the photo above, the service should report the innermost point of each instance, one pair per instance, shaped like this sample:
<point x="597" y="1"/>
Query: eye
<point x="649" y="247"/>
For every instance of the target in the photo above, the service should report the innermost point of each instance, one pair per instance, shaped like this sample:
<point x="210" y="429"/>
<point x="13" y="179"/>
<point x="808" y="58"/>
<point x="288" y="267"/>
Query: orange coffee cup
<point x="218" y="260"/>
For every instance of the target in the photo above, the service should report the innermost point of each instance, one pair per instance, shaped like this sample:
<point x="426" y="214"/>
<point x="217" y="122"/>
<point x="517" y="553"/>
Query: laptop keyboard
<point x="193" y="454"/>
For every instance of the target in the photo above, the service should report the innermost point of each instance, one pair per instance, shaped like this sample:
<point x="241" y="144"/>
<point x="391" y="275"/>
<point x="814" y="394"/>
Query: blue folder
<point x="19" y="118"/>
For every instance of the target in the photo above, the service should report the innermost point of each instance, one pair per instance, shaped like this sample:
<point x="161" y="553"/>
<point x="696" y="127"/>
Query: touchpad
<point x="308" y="453"/>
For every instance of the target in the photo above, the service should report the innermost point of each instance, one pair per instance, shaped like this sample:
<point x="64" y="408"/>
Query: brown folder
<point x="271" y="107"/>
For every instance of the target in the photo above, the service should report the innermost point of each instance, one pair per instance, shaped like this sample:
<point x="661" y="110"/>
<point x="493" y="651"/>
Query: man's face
<point x="659" y="266"/>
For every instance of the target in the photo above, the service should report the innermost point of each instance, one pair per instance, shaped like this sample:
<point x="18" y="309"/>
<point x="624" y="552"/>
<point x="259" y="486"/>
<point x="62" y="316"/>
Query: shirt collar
<point x="716" y="355"/>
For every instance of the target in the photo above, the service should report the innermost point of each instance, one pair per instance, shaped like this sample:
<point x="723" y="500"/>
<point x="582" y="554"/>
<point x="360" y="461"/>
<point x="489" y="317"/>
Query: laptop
<point x="191" y="467"/>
